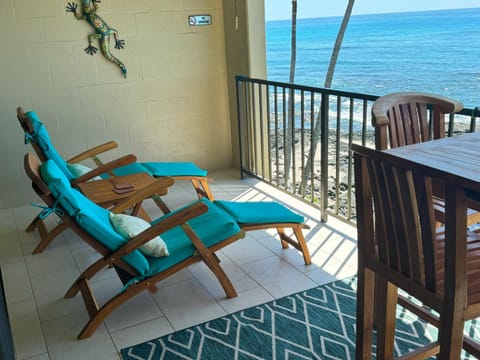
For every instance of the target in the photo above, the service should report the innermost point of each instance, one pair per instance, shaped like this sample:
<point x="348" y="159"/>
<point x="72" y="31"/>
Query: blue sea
<point x="430" y="51"/>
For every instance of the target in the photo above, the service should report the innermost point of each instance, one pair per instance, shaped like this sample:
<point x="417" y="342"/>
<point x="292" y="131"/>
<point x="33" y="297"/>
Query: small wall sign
<point x="198" y="20"/>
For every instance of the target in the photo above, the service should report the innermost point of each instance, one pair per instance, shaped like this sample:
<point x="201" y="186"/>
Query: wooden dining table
<point x="457" y="156"/>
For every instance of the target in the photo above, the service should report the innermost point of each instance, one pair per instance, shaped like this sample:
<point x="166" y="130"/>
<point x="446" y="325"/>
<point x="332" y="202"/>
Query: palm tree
<point x="328" y="83"/>
<point x="291" y="101"/>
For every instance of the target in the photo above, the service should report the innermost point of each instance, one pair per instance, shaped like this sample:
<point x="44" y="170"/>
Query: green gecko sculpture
<point x="102" y="31"/>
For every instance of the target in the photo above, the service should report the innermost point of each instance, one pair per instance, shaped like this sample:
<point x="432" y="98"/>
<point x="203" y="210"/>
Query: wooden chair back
<point x="396" y="219"/>
<point x="404" y="118"/>
<point x="32" y="169"/>
<point x="27" y="127"/>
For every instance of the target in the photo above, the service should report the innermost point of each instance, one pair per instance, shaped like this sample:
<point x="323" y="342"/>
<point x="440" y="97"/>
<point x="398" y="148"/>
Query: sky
<point x="281" y="9"/>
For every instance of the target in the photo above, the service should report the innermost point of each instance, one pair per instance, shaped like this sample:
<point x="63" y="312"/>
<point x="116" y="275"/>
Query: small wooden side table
<point x="102" y="192"/>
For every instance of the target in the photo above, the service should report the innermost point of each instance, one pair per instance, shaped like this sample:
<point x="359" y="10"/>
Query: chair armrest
<point x="165" y="224"/>
<point x="93" y="152"/>
<point x="158" y="187"/>
<point x="105" y="168"/>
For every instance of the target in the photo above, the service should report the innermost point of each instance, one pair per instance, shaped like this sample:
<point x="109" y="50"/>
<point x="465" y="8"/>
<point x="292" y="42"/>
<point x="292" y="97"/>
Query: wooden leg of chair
<point x="222" y="277"/>
<point x="202" y="188"/>
<point x="206" y="188"/>
<point x="300" y="244"/>
<point x="303" y="245"/>
<point x="161" y="204"/>
<point x="283" y="238"/>
<point x="386" y="301"/>
<point x="212" y="262"/>
<point x="33" y="225"/>
<point x="450" y="333"/>
<point x="98" y="316"/>
<point x="85" y="275"/>
<point x="364" y="332"/>
<point x="47" y="236"/>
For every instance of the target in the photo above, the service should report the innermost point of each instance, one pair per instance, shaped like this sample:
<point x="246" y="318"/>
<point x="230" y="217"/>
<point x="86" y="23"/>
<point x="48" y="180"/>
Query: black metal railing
<point x="297" y="138"/>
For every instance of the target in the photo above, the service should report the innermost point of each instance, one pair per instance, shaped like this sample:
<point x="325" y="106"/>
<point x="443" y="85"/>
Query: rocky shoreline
<point x="340" y="183"/>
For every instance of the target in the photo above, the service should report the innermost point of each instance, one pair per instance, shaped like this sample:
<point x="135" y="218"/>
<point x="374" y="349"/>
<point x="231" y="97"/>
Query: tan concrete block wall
<point x="173" y="106"/>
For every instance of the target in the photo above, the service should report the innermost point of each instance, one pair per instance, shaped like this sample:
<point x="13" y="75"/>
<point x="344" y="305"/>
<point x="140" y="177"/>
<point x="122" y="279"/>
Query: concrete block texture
<point x="173" y="105"/>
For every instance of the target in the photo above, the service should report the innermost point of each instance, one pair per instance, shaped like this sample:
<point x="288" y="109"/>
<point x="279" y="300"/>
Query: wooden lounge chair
<point x="37" y="135"/>
<point x="400" y="247"/>
<point x="403" y="119"/>
<point x="125" y="167"/>
<point x="192" y="233"/>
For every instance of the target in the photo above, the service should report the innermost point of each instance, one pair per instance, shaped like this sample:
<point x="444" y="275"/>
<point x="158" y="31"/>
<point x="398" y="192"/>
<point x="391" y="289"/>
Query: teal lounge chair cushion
<point x="90" y="217"/>
<point x="40" y="136"/>
<point x="259" y="212"/>
<point x="212" y="227"/>
<point x="159" y="169"/>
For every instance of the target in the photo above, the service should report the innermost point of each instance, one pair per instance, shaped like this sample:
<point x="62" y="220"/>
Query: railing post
<point x="324" y="157"/>
<point x="239" y="120"/>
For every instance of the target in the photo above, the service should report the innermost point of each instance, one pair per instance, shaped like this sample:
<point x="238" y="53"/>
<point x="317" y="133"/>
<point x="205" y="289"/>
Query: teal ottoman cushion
<point x="159" y="169"/>
<point x="259" y="212"/>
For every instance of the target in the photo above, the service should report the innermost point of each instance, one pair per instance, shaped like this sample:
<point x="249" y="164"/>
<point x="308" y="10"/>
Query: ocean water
<point x="432" y="51"/>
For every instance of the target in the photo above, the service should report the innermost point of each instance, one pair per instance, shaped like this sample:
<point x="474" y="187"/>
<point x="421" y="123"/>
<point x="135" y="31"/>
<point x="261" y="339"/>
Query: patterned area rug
<point x="315" y="324"/>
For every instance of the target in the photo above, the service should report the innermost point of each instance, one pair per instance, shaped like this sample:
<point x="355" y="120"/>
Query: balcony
<point x="278" y="123"/>
<point x="45" y="325"/>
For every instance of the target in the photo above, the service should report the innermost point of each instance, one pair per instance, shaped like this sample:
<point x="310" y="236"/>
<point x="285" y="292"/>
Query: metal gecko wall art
<point x="102" y="31"/>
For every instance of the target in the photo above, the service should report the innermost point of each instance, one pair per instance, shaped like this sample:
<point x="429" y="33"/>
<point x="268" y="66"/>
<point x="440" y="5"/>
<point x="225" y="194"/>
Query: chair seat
<point x="259" y="212"/>
<point x="159" y="169"/>
<point x="212" y="227"/>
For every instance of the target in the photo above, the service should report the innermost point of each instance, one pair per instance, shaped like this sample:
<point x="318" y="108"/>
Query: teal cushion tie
<point x="47" y="211"/>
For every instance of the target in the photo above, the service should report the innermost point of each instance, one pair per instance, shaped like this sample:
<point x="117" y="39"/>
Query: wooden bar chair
<point x="399" y="246"/>
<point x="406" y="118"/>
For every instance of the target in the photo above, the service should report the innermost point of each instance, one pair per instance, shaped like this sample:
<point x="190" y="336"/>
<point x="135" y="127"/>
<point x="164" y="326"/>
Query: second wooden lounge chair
<point x="37" y="135"/>
<point x="193" y="233"/>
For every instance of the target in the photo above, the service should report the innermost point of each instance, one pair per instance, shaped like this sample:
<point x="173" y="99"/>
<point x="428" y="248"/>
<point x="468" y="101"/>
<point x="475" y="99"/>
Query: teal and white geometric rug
<point x="315" y="324"/>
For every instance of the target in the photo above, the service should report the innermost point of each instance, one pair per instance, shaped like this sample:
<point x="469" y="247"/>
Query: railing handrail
<point x="308" y="88"/>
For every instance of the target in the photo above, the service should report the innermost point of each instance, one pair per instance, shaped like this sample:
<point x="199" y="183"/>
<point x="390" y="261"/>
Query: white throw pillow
<point x="78" y="170"/>
<point x="129" y="226"/>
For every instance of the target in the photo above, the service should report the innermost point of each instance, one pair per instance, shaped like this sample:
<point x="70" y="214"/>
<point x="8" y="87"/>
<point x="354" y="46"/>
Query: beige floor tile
<point x="26" y="329"/>
<point x="10" y="248"/>
<point x="43" y="356"/>
<point x="246" y="299"/>
<point x="138" y="309"/>
<point x="247" y="250"/>
<point x="16" y="282"/>
<point x="51" y="260"/>
<point x="257" y="265"/>
<point x="145" y="331"/>
<point x="49" y="291"/>
<point x="186" y="304"/>
<point x="239" y="278"/>
<point x="277" y="276"/>
<point x="61" y="337"/>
